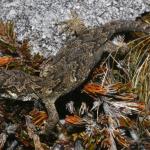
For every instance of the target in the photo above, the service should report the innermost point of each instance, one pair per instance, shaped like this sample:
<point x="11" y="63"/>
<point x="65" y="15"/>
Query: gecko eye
<point x="13" y="90"/>
<point x="48" y="91"/>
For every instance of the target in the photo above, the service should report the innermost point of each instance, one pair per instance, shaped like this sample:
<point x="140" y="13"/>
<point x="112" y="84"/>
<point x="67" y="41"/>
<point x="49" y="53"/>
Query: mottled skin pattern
<point x="67" y="70"/>
<point x="18" y="85"/>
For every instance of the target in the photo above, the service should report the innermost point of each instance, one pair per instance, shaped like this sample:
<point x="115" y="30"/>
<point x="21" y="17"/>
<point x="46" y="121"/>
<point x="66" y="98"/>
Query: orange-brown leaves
<point x="74" y="120"/>
<point x="10" y="47"/>
<point x="6" y="60"/>
<point x="24" y="50"/>
<point x="120" y="139"/>
<point x="38" y="117"/>
<point x="117" y="90"/>
<point x="94" y="89"/>
<point x="7" y="32"/>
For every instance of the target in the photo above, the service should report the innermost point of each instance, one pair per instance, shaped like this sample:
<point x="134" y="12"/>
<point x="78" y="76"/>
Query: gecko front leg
<point x="53" y="116"/>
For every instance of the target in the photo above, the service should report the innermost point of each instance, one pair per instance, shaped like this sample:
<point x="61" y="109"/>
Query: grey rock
<point x="36" y="19"/>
